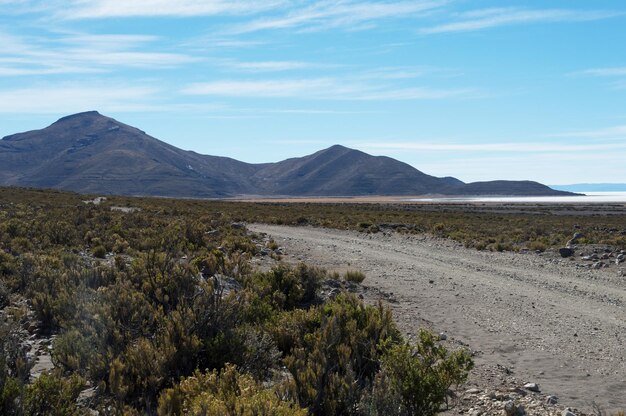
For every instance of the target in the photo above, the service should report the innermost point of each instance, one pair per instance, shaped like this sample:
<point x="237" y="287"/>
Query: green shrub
<point x="332" y="365"/>
<point x="53" y="395"/>
<point x="4" y="295"/>
<point x="420" y="377"/>
<point x="100" y="252"/>
<point x="227" y="393"/>
<point x="354" y="276"/>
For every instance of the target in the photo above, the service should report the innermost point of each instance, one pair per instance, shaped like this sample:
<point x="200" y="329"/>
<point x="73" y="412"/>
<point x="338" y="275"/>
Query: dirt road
<point x="538" y="316"/>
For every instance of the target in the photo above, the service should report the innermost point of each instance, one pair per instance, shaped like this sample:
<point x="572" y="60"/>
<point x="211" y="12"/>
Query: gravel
<point x="528" y="318"/>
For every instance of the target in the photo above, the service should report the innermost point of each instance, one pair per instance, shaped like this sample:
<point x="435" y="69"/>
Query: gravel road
<point x="535" y="317"/>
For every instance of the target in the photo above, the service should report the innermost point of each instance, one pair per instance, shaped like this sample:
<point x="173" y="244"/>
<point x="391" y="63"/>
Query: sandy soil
<point x="533" y="317"/>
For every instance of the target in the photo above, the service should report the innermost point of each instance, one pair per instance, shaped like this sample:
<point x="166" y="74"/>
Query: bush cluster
<point x="160" y="311"/>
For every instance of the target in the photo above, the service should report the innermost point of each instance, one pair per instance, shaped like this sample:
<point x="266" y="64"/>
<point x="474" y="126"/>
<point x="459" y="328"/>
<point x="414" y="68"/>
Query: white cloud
<point x="82" y="53"/>
<point x="343" y="13"/>
<point x="73" y="98"/>
<point x="98" y="9"/>
<point x="605" y="72"/>
<point x="605" y="133"/>
<point x="271" y="66"/>
<point x="522" y="147"/>
<point x="489" y="18"/>
<point x="320" y="88"/>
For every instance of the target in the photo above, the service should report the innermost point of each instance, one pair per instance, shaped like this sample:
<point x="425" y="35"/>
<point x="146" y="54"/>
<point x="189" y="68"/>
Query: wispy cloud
<point x="605" y="72"/>
<point x="494" y="17"/>
<point x="82" y="53"/>
<point x="523" y="147"/>
<point x="345" y="14"/>
<point x="98" y="9"/>
<point x="320" y="88"/>
<point x="614" y="132"/>
<point x="72" y="98"/>
<point x="272" y="66"/>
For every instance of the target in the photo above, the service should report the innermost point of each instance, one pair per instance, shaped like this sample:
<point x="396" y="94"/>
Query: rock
<point x="510" y="408"/>
<point x="567" y="412"/>
<point x="574" y="239"/>
<point x="532" y="387"/>
<point x="620" y="258"/>
<point x="32" y="328"/>
<point x="237" y="225"/>
<point x="473" y="391"/>
<point x="443" y="337"/>
<point x="566" y="252"/>
<point x="597" y="265"/>
<point x="552" y="400"/>
<point x="85" y="397"/>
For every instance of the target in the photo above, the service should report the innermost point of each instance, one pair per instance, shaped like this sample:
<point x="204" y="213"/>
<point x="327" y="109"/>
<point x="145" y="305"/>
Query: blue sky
<point x="475" y="89"/>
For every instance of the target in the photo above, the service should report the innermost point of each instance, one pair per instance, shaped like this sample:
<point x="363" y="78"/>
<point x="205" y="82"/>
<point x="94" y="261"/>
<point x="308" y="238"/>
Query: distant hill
<point x="91" y="153"/>
<point x="592" y="187"/>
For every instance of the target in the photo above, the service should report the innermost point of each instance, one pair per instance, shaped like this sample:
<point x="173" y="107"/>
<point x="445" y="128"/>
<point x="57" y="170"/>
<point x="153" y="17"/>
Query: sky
<point x="476" y="89"/>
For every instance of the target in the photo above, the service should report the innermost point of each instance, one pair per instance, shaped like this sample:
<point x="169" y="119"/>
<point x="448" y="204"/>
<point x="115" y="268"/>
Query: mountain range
<point x="91" y="153"/>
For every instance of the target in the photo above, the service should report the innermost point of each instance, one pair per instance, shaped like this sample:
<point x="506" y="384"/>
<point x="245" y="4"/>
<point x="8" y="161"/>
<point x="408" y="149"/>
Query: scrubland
<point x="155" y="308"/>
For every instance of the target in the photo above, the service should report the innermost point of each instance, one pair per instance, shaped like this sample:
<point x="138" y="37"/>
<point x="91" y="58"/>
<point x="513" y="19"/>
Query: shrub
<point x="420" y="377"/>
<point x="332" y="365"/>
<point x="227" y="393"/>
<point x="53" y="395"/>
<point x="100" y="252"/>
<point x="4" y="295"/>
<point x="354" y="276"/>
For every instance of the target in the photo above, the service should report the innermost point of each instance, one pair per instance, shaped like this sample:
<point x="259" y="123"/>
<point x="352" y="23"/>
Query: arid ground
<point x="531" y="317"/>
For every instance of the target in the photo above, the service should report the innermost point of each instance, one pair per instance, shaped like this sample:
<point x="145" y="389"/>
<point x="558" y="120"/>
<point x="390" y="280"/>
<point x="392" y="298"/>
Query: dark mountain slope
<point x="508" y="188"/>
<point x="91" y="153"/>
<point x="339" y="171"/>
<point x="88" y="152"/>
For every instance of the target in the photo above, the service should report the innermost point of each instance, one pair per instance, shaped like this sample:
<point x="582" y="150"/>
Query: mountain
<point x="91" y="153"/>
<point x="342" y="171"/>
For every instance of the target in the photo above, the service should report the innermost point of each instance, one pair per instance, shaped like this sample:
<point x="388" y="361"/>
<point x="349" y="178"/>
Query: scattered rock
<point x="575" y="238"/>
<point x="566" y="252"/>
<point x="510" y="409"/>
<point x="532" y="387"/>
<point x="552" y="400"/>
<point x="86" y="396"/>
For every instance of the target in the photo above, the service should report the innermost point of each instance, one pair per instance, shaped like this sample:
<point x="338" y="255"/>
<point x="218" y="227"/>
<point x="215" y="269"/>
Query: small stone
<point x="566" y="252"/>
<point x="510" y="408"/>
<point x="443" y="337"/>
<point x="473" y="391"/>
<point x="552" y="400"/>
<point x="532" y="387"/>
<point x="567" y="412"/>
